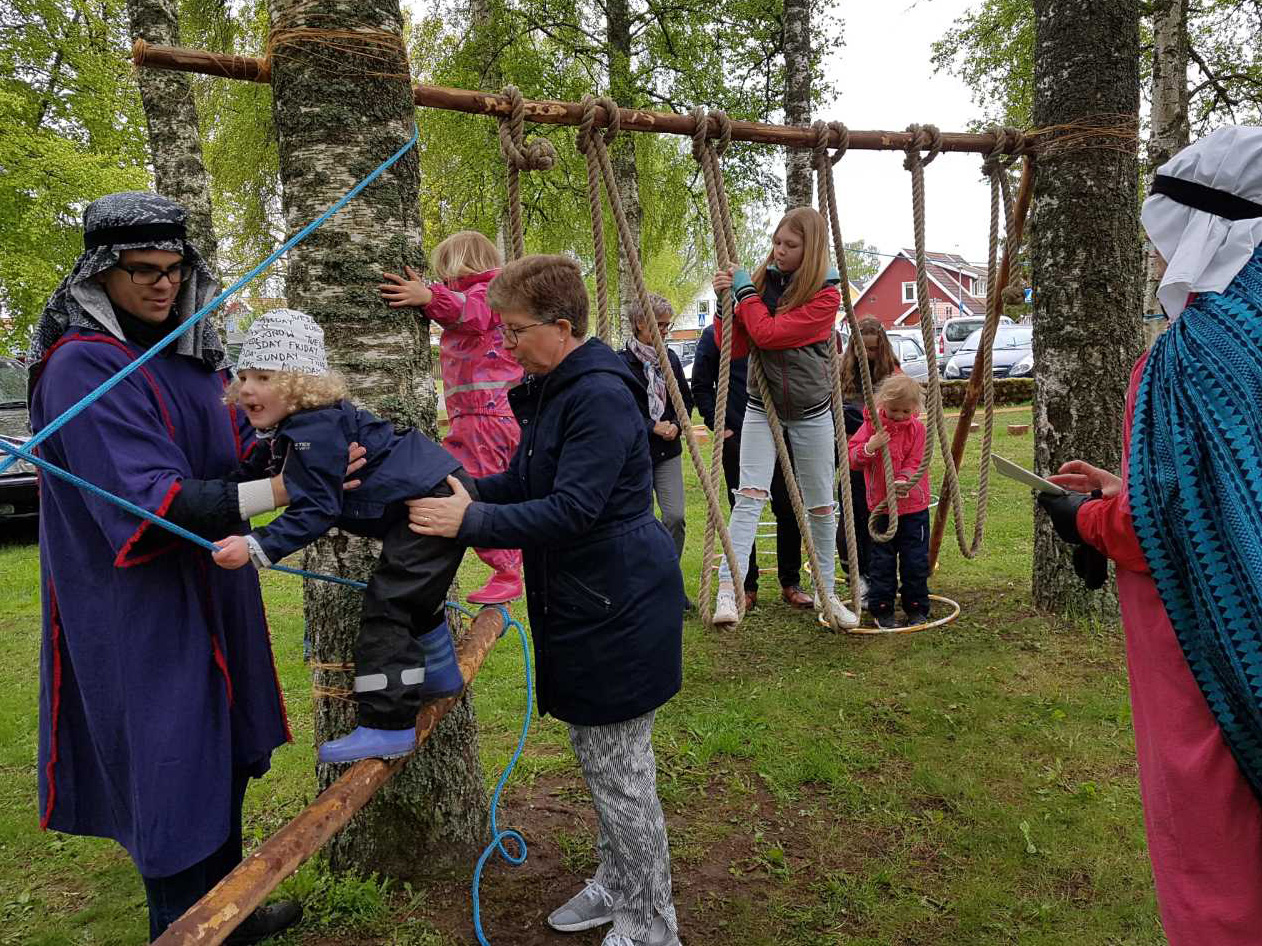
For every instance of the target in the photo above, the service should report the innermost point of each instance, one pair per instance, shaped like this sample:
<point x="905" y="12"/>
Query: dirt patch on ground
<point x="731" y="853"/>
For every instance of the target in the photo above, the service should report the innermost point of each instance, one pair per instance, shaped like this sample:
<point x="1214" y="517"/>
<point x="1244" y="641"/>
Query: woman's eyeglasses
<point x="150" y="275"/>
<point x="511" y="334"/>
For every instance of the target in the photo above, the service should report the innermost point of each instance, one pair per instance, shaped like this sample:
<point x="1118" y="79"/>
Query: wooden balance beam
<point x="209" y="921"/>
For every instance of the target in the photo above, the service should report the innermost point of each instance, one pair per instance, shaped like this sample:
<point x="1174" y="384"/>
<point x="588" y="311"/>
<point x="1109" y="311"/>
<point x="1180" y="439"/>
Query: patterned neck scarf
<point x="647" y="356"/>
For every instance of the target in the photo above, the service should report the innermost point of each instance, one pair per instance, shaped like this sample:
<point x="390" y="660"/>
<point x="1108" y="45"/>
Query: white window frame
<point x="909" y="292"/>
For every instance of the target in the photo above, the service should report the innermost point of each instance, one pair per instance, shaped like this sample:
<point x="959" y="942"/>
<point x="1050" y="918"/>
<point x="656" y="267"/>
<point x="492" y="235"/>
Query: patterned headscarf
<point x="132" y="220"/>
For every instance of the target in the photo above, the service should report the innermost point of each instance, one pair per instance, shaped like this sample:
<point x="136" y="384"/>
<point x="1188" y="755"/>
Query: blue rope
<point x="92" y="396"/>
<point x="498" y="837"/>
<point x="20" y="453"/>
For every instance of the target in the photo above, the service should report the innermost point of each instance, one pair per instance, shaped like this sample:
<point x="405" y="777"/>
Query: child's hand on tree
<point x="400" y="293"/>
<point x="233" y="552"/>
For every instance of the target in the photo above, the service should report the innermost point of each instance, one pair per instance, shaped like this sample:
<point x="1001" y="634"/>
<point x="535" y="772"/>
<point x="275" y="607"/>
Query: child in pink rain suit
<point x="477" y="373"/>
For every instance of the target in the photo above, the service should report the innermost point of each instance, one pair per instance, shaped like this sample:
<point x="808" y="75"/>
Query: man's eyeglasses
<point x="511" y="334"/>
<point x="150" y="275"/>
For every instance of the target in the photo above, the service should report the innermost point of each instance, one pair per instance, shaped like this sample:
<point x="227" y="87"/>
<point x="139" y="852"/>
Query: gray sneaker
<point x="590" y="907"/>
<point x="659" y="935"/>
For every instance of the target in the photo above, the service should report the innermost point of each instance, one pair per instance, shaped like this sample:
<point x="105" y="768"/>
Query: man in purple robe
<point x="159" y="699"/>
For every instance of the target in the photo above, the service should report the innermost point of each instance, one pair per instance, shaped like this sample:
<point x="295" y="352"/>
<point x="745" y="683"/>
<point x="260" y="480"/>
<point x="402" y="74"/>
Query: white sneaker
<point x="863" y="591"/>
<point x="659" y="935"/>
<point x="725" y="607"/>
<point x="845" y="617"/>
<point x="590" y="907"/>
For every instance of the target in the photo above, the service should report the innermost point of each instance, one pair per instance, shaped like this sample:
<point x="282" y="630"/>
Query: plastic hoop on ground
<point x="915" y="628"/>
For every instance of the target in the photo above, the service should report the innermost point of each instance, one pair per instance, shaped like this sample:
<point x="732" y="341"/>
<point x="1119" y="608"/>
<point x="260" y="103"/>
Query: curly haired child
<point x="404" y="653"/>
<point x="477" y="372"/>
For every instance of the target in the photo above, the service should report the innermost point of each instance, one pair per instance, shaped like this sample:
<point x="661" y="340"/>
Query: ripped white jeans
<point x="814" y="461"/>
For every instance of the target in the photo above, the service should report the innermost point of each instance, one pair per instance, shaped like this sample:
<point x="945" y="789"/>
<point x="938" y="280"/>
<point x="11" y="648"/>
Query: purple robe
<point x="156" y="670"/>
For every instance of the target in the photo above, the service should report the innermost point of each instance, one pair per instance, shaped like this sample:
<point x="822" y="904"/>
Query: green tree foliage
<point x="686" y="53"/>
<point x="992" y="49"/>
<point x="238" y="138"/>
<point x="71" y="129"/>
<point x="862" y="261"/>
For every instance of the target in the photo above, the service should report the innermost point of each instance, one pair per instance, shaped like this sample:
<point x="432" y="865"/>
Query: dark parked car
<point x="19" y="494"/>
<point x="1013" y="354"/>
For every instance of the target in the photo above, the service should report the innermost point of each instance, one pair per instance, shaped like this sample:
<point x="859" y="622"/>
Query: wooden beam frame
<point x="549" y="112"/>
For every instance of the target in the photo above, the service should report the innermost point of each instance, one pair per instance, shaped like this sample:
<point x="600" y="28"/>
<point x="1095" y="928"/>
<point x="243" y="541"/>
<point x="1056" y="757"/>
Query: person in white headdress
<point x="1183" y="525"/>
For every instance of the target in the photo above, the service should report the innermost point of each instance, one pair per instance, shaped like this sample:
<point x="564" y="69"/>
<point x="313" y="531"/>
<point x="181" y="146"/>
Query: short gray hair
<point x="660" y="306"/>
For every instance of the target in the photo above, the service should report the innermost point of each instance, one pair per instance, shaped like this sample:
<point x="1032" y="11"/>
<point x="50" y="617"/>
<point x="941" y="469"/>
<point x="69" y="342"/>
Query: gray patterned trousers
<point x="621" y="773"/>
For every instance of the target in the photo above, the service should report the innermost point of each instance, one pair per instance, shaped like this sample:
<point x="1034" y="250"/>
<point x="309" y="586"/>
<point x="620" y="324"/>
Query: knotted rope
<point x="725" y="254"/>
<point x="595" y="144"/>
<point x="539" y="155"/>
<point x="585" y="131"/>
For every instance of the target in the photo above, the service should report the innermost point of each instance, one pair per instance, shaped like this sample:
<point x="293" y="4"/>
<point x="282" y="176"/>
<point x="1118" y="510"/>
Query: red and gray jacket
<point x="795" y="343"/>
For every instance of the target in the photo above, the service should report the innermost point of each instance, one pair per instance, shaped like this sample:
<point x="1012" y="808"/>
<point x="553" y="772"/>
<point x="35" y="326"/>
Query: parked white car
<point x="953" y="332"/>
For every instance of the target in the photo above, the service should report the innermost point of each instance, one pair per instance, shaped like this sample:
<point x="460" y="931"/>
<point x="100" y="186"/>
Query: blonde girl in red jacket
<point x="899" y="400"/>
<point x="477" y="372"/>
<point x="788" y="309"/>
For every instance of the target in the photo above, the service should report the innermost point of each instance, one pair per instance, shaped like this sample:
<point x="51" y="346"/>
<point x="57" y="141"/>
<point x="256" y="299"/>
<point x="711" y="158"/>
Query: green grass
<point x="970" y="785"/>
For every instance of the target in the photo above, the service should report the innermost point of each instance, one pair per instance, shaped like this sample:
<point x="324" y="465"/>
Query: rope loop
<point x="843" y="140"/>
<point x="820" y="148"/>
<point x="539" y="155"/>
<point x="926" y="138"/>
<point x="700" y="130"/>
<point x="613" y="121"/>
<point x="725" y="133"/>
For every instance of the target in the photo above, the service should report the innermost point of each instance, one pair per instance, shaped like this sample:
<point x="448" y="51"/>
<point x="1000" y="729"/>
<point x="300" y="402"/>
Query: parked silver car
<point x="910" y="351"/>
<point x="19" y="492"/>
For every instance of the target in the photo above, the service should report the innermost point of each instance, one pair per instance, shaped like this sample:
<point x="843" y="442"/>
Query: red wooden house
<point x="955" y="288"/>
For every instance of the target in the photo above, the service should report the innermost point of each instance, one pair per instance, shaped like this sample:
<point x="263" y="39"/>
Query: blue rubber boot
<point x="365" y="743"/>
<point x="442" y="671"/>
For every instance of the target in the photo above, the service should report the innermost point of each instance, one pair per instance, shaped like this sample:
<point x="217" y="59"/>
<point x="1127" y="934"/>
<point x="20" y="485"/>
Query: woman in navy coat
<point x="603" y="588"/>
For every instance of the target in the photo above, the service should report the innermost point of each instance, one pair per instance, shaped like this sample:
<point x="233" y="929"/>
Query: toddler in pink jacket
<point x="906" y="556"/>
<point x="477" y="373"/>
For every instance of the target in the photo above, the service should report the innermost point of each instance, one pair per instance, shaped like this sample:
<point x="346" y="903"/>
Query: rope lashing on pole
<point x="725" y="251"/>
<point x="539" y="155"/>
<point x="585" y="130"/>
<point x="595" y="143"/>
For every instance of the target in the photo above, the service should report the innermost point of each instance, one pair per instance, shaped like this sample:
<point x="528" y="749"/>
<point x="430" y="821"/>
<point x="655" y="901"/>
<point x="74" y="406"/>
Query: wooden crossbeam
<point x="549" y="112"/>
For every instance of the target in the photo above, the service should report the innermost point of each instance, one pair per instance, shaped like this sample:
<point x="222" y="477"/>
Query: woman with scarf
<point x="665" y="428"/>
<point x="158" y="695"/>
<point x="1183" y="524"/>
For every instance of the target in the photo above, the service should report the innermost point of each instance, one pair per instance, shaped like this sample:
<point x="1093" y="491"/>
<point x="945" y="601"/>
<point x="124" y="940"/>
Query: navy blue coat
<point x="603" y="588"/>
<point x="310" y="449"/>
<point x="705" y="380"/>
<point x="659" y="447"/>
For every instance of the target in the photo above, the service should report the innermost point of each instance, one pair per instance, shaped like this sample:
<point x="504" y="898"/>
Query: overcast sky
<point x="886" y="81"/>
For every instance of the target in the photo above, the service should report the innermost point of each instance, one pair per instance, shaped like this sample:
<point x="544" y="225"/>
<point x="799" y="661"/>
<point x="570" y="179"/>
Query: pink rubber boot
<point x="502" y="587"/>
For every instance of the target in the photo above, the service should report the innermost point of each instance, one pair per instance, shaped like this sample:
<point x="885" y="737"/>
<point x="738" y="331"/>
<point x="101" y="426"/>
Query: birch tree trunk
<point x="622" y="90"/>
<point x="1085" y="254"/>
<point x="1169" y="120"/>
<point x="797" y="99"/>
<point x="175" y="142"/>
<point x="337" y="117"/>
